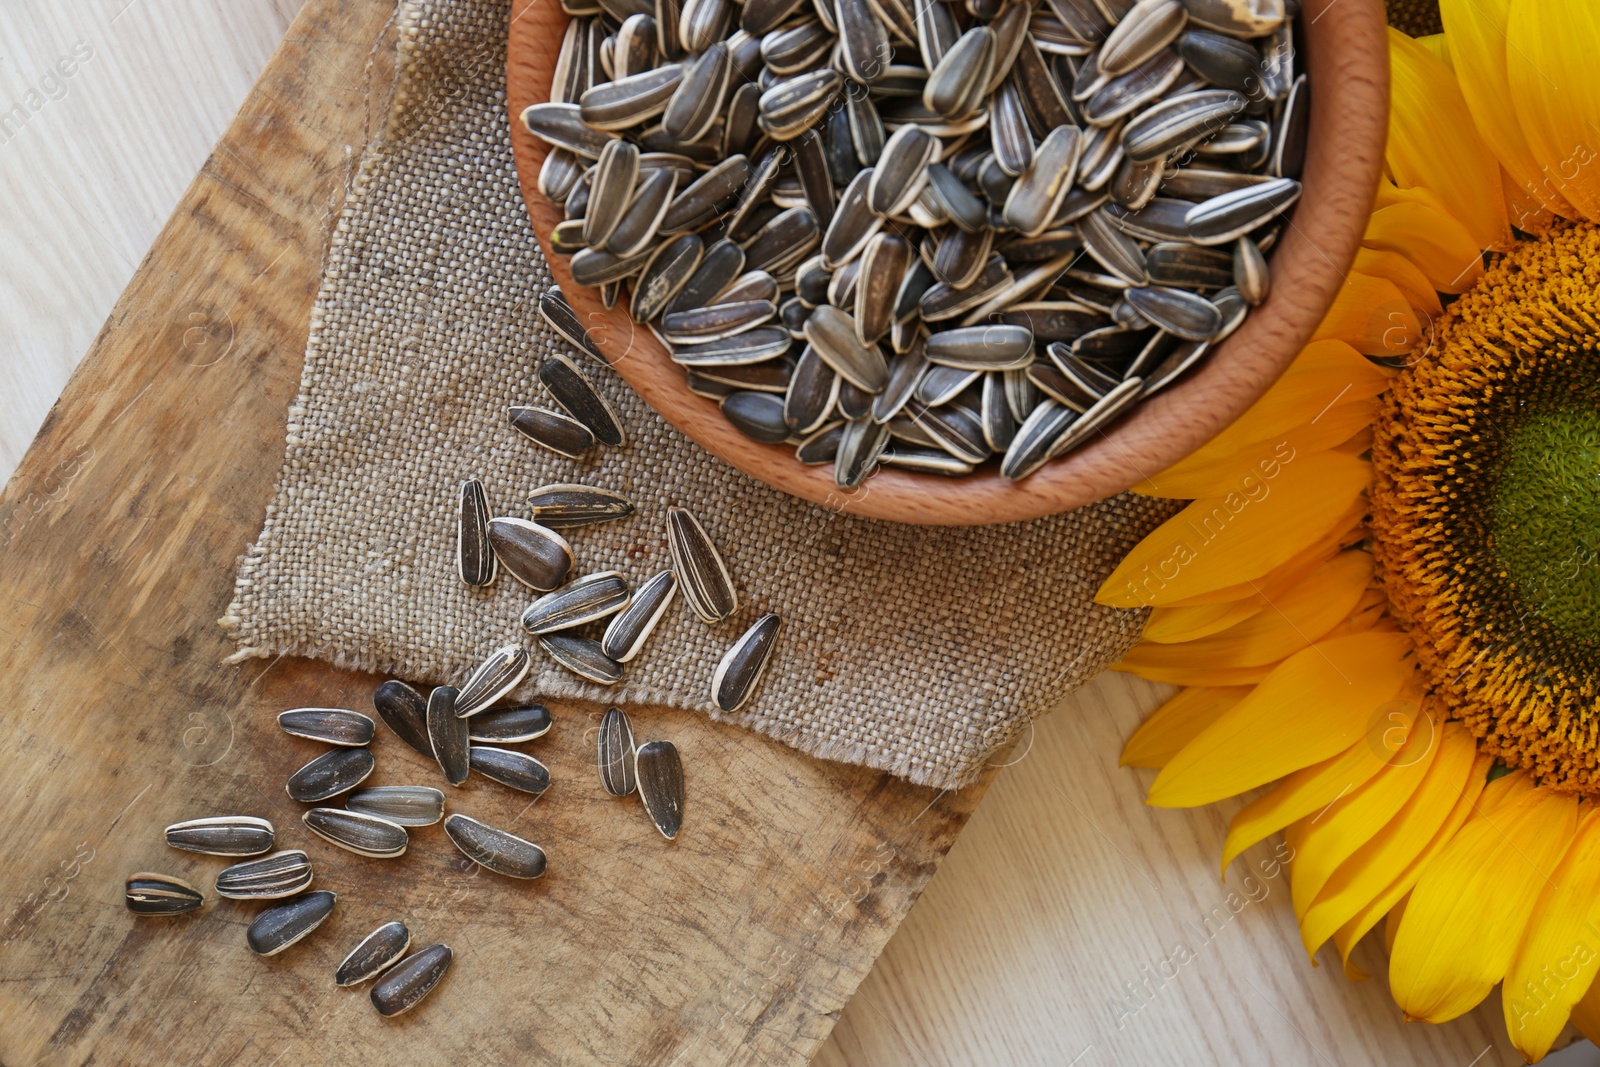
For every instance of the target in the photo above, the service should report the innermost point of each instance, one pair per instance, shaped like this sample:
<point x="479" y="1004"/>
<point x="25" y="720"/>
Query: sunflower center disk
<point x="1486" y="507"/>
<point x="1546" y="529"/>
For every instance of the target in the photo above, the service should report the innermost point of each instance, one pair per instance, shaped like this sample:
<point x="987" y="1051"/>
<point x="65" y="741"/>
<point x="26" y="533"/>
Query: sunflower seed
<point x="1035" y="438"/>
<point x="794" y="104"/>
<point x="1083" y="18"/>
<point x="660" y="773"/>
<point x="956" y="86"/>
<point x="641" y="220"/>
<point x="742" y="665"/>
<point x="764" y="16"/>
<point x="582" y="656"/>
<point x="752" y="286"/>
<point x="330" y="774"/>
<point x="222" y="835"/>
<point x="1250" y="272"/>
<point x="363" y="834"/>
<point x="833" y="335"/>
<point x="1234" y="308"/>
<point x="1112" y="249"/>
<point x="161" y="894"/>
<point x="759" y="416"/>
<point x="954" y="429"/>
<point x="813" y="391"/>
<point x="722" y="262"/>
<point x="537" y="557"/>
<point x="333" y="725"/>
<point x="574" y="391"/>
<point x="1189" y="266"/>
<point x="403" y="805"/>
<point x="866" y="124"/>
<point x="704" y="577"/>
<point x="1238" y="18"/>
<point x="941" y="301"/>
<point x="905" y="369"/>
<point x="1073" y="391"/>
<point x="1178" y="311"/>
<point x="994" y="413"/>
<point x="574" y="70"/>
<point x="281" y="925"/>
<point x="1289" y="146"/>
<point x="616" y="753"/>
<point x="883" y="264"/>
<point x="594" y="596"/>
<point x="1227" y="217"/>
<point x="514" y="769"/>
<point x="861" y="442"/>
<point x="610" y="191"/>
<point x="983" y="348"/>
<point x="1038" y="89"/>
<point x="783" y="241"/>
<point x="954" y="200"/>
<point x="559" y="174"/>
<point x="854" y="222"/>
<point x="404" y="985"/>
<point x="864" y="50"/>
<point x="940" y="385"/>
<point x="448" y="734"/>
<point x="550" y="429"/>
<point x="497" y="850"/>
<point x="374" y="955"/>
<point x="474" y="558"/>
<point x="280" y="874"/>
<point x="562" y="506"/>
<point x="404" y="711"/>
<point x="565" y="125"/>
<point x="555" y="310"/>
<point x="1009" y="132"/>
<point x="1149" y="27"/>
<point x="706" y="195"/>
<point x="665" y="273"/>
<point x="632" y="627"/>
<point x="698" y="100"/>
<point x="498" y="674"/>
<point x="1224" y="61"/>
<point x="1037" y="195"/>
<point x="1177" y="363"/>
<point x="751" y="346"/>
<point x="820" y="447"/>
<point x="701" y="23"/>
<point x="1021" y="394"/>
<point x="1127" y="93"/>
<point x="901" y="170"/>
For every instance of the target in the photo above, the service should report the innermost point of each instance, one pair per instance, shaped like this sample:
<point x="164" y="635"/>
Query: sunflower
<point x="1383" y="600"/>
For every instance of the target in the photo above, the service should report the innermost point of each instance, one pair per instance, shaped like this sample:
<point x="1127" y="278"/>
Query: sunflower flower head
<point x="1383" y="599"/>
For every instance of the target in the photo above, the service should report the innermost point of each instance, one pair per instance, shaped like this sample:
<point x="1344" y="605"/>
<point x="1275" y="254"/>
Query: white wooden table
<point x="1036" y="942"/>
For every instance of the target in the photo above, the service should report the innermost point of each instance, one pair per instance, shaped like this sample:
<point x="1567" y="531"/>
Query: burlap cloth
<point x="917" y="650"/>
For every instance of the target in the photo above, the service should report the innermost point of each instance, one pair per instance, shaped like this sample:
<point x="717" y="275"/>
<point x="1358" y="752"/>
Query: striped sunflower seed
<point x="403" y="805"/>
<point x="700" y="96"/>
<point x="515" y="769"/>
<point x="1238" y="18"/>
<point x="222" y="835"/>
<point x="1037" y="195"/>
<point x="536" y="556"/>
<point x="610" y="191"/>
<point x="833" y="334"/>
<point x="583" y="600"/>
<point x="953" y="428"/>
<point x="566" y="126"/>
<point x="1250" y="273"/>
<point x="493" y="849"/>
<point x="759" y="416"/>
<point x="660" y="772"/>
<point x="641" y="220"/>
<point x="982" y="348"/>
<point x="555" y="311"/>
<point x="330" y="774"/>
<point x="861" y="444"/>
<point x="1225" y="218"/>
<point x="901" y="170"/>
<point x="609" y="106"/>
<point x="280" y="874"/>
<point x="574" y="391"/>
<point x="715" y="322"/>
<point x="751" y="346"/>
<point x="740" y="670"/>
<point x="703" y="576"/>
<point x="503" y="725"/>
<point x="956" y="86"/>
<point x="282" y="925"/>
<point x="373" y="955"/>
<point x="666" y="272"/>
<point x="616" y="753"/>
<point x="336" y="726"/>
<point x="1149" y="27"/>
<point x="404" y="985"/>
<point x="474" y="558"/>
<point x="883" y="264"/>
<point x="1035" y="439"/>
<point x="160" y="894"/>
<point x="582" y="656"/>
<point x="448" y="733"/>
<point x="559" y="433"/>
<point x="630" y="628"/>
<point x="363" y="834"/>
<point x="496" y="676"/>
<point x="720" y="265"/>
<point x="564" y="505"/>
<point x="1178" y="311"/>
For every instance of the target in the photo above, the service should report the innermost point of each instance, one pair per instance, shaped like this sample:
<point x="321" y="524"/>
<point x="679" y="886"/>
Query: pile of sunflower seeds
<point x="925" y="234"/>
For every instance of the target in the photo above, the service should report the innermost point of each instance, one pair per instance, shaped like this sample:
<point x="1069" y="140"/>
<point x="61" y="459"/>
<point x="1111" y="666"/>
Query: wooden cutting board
<point x="118" y="536"/>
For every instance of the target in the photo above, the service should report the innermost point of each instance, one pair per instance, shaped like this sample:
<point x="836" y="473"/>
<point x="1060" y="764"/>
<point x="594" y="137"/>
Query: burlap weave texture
<point x="920" y="651"/>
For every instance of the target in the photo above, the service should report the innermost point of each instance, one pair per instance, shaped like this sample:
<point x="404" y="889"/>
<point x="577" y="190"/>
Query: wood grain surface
<point x="738" y="943"/>
<point x="1062" y="886"/>
<point x="1347" y="59"/>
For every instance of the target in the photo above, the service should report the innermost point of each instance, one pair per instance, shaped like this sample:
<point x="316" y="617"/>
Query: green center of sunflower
<point x="1546" y="529"/>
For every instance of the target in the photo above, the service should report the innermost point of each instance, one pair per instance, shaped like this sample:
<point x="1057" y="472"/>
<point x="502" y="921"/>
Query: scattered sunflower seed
<point x="282" y="925"/>
<point x="222" y="835"/>
<point x="161" y="894"/>
<point x="494" y="678"/>
<point x="330" y="774"/>
<point x="405" y="711"/>
<point x="448" y="733"/>
<point x="333" y="725"/>
<point x="374" y="954"/>
<point x="660" y="775"/>
<point x="534" y="555"/>
<point x="474" y="558"/>
<point x="404" y="985"/>
<point x="280" y="874"/>
<point x="515" y="769"/>
<point x="616" y="753"/>
<point x="361" y="833"/>
<point x="631" y="628"/>
<point x="741" y="668"/>
<point x="497" y="850"/>
<point x="703" y="576"/>
<point x="403" y="805"/>
<point x="582" y="656"/>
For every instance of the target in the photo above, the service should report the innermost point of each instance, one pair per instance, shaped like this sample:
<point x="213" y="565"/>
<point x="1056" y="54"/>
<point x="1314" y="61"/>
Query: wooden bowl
<point x="1346" y="54"/>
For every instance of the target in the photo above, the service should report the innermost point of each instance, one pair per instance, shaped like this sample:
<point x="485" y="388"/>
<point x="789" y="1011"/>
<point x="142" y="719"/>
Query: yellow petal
<point x="1470" y="907"/>
<point x="1177" y="722"/>
<point x="1586" y="1014"/>
<point x="1349" y="529"/>
<point x="1325" y="840"/>
<point x="1475" y="31"/>
<point x="1305" y="792"/>
<point x="1197" y="674"/>
<point x="1314" y="705"/>
<point x="1391" y="901"/>
<point x="1433" y="142"/>
<point x="1296" y="619"/>
<point x="1325" y="374"/>
<point x="1555" y="89"/>
<point x="1558" y="958"/>
<point x="1373" y="316"/>
<point x="1527" y="214"/>
<point x="1412" y="283"/>
<point x="1242" y="470"/>
<point x="1168" y="626"/>
<point x="1377" y="864"/>
<point x="1235" y="537"/>
<point x="1439" y="245"/>
<point x="1436" y="46"/>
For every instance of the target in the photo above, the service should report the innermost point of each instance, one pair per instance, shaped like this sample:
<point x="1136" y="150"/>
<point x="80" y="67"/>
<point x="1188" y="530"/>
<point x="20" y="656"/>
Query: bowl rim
<point x="1346" y="53"/>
